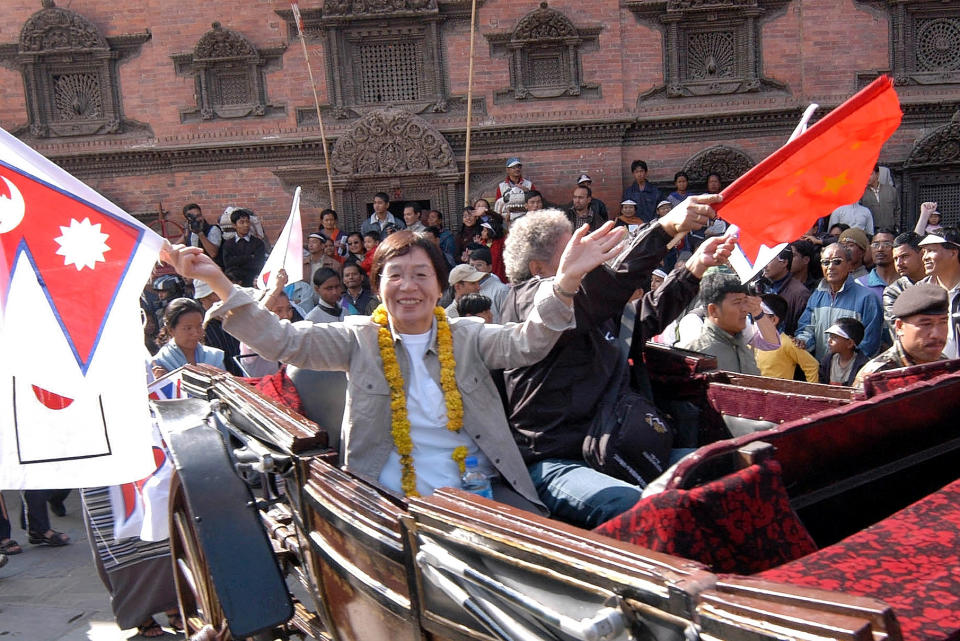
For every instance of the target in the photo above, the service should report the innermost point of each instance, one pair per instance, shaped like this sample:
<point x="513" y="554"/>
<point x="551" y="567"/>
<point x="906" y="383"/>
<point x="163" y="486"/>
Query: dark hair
<point x="323" y="274"/>
<point x="177" y="308"/>
<point x="804" y="247"/>
<point x="187" y="208"/>
<point x="439" y="215"/>
<point x="401" y="244"/>
<point x="681" y="173"/>
<point x="237" y="214"/>
<point x="473" y="304"/>
<point x="330" y="212"/>
<point x="482" y="253"/>
<point x="843" y="227"/>
<point x="484" y="200"/>
<point x="382" y="196"/>
<point x="715" y="285"/>
<point x="852" y="327"/>
<point x="638" y="163"/>
<point x="589" y="191"/>
<point x="355" y="233"/>
<point x="787" y="254"/>
<point x="373" y="234"/>
<point x="414" y="205"/>
<point x="893" y="231"/>
<point x="777" y="304"/>
<point x="432" y="229"/>
<point x="530" y="195"/>
<point x="910" y="238"/>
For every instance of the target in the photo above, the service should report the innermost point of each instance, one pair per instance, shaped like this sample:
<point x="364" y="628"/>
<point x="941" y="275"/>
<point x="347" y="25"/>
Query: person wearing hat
<point x="836" y="296"/>
<point x="855" y="240"/>
<point x="941" y="261"/>
<point x="628" y="216"/>
<point x="921" y="313"/>
<point x="841" y="365"/>
<point x="321" y="252"/>
<point x="514" y="179"/>
<point x="855" y="215"/>
<point x="464" y="279"/>
<point x="597" y="206"/>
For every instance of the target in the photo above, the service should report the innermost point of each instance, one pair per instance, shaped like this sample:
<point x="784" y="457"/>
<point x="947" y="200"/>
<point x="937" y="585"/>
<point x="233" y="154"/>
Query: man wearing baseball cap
<point x="465" y="279"/>
<point x="597" y="206"/>
<point x="514" y="178"/>
<point x="941" y="261"/>
<point x="920" y="328"/>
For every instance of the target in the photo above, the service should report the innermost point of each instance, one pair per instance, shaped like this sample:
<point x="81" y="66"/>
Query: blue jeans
<point x="577" y="494"/>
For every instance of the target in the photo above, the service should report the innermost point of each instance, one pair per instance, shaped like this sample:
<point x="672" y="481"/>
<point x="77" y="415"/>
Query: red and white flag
<point x="287" y="253"/>
<point x="73" y="396"/>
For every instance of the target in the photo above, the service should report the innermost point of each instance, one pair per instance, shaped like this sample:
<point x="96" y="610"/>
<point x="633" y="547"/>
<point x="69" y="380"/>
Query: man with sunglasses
<point x="836" y="296"/>
<point x="779" y="273"/>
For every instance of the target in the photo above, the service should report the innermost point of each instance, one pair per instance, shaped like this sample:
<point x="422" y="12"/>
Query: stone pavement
<point x="54" y="594"/>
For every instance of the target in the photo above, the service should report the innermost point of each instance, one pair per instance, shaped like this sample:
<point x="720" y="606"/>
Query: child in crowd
<point x="841" y="364"/>
<point x="475" y="305"/>
<point x="326" y="282"/>
<point x="783" y="362"/>
<point x="370" y="241"/>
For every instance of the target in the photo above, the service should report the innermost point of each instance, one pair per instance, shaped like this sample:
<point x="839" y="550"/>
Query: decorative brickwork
<point x="544" y="52"/>
<point x="229" y="75"/>
<point x="711" y="47"/>
<point x="69" y="73"/>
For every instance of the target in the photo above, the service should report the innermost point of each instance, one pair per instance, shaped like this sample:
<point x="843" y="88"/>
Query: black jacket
<point x="552" y="402"/>
<point x="243" y="259"/>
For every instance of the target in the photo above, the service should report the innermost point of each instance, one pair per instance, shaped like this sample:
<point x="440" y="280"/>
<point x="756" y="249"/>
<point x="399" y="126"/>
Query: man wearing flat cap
<point x="857" y="242"/>
<point x="941" y="261"/>
<point x="920" y="327"/>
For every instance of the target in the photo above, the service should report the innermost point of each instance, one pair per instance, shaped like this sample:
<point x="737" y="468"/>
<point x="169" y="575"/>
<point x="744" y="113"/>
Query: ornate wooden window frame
<point x="924" y="42"/>
<point x="727" y="59"/>
<point x="70" y="76"/>
<point x="545" y="37"/>
<point x="225" y="62"/>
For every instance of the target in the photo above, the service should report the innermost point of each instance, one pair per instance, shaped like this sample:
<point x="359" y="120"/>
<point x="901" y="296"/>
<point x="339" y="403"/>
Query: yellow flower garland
<point x="400" y="424"/>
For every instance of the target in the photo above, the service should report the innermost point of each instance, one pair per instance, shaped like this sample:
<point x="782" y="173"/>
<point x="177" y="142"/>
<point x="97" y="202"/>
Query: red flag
<point x="825" y="167"/>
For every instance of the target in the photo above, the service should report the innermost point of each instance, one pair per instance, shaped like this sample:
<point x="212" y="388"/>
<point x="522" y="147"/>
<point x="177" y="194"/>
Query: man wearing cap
<point x="580" y="213"/>
<point x="514" y="178"/>
<point x="855" y="240"/>
<point x="920" y="328"/>
<point x="941" y="260"/>
<point x="855" y="215"/>
<point x="465" y="279"/>
<point x="597" y="206"/>
<point x="628" y="215"/>
<point x="836" y="296"/>
<point x="642" y="192"/>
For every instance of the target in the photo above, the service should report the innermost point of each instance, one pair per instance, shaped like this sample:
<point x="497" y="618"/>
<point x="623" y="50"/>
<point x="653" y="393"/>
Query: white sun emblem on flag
<point x="82" y="244"/>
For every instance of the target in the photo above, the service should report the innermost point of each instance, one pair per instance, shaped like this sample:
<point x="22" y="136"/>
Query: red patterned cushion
<point x="740" y="523"/>
<point x="911" y="561"/>
<point x="278" y="387"/>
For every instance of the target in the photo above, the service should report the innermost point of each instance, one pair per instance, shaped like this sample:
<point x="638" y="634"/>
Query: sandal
<point x="150" y="629"/>
<point x="174" y="620"/>
<point x="10" y="547"/>
<point x="51" y="538"/>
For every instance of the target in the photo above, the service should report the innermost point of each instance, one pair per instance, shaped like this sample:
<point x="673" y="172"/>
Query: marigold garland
<point x="400" y="424"/>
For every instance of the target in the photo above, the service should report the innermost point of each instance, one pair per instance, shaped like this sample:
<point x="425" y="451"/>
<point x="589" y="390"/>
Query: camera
<point x="195" y="223"/>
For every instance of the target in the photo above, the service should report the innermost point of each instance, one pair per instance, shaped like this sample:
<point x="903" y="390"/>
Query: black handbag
<point x="627" y="438"/>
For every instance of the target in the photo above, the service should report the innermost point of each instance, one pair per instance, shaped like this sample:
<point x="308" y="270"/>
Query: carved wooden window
<point x="544" y="51"/>
<point x="390" y="72"/>
<point x="69" y="73"/>
<point x="924" y="42"/>
<point x="229" y="74"/>
<point x="711" y="47"/>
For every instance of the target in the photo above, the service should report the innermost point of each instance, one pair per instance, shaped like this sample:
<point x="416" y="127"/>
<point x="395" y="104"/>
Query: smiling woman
<point x="419" y="390"/>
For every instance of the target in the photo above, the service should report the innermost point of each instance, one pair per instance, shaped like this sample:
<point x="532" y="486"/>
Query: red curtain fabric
<point x="278" y="387"/>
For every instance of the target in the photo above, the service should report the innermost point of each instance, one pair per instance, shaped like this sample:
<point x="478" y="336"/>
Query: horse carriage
<point x="814" y="512"/>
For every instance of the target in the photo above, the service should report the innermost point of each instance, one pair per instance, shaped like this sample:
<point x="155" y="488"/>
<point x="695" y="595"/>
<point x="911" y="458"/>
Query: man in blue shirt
<point x="641" y="192"/>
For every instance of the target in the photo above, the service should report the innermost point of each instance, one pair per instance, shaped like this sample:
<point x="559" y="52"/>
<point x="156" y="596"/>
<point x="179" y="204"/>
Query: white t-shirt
<point x="433" y="443"/>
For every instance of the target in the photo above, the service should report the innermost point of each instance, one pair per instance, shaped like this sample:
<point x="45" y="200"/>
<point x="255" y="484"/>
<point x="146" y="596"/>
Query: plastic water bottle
<point x="474" y="480"/>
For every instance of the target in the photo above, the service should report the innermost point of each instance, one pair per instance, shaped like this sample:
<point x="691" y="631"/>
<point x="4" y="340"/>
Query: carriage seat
<point x="323" y="395"/>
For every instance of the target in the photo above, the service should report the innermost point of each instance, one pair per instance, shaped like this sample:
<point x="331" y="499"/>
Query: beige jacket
<point x="351" y="346"/>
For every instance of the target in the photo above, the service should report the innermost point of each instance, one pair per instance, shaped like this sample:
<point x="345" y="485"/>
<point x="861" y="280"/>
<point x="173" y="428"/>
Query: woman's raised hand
<point x="585" y="251"/>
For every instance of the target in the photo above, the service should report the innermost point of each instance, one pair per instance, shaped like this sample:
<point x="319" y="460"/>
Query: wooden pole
<point x="316" y="99"/>
<point x="466" y="160"/>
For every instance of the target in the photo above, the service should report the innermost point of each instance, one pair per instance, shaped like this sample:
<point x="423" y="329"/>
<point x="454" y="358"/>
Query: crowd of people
<point x="540" y="309"/>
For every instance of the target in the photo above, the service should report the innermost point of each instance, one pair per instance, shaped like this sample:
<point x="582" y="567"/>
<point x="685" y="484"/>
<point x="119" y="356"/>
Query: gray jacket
<point x="351" y="346"/>
<point x="733" y="352"/>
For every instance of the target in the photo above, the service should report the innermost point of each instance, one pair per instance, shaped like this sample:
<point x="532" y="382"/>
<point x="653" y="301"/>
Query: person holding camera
<point x="201" y="233"/>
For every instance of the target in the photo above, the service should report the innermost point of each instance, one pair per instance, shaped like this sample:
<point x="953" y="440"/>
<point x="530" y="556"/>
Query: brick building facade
<point x="157" y="102"/>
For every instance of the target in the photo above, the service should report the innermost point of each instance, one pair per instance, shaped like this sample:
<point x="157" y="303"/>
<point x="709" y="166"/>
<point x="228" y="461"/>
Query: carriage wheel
<point x="199" y="604"/>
